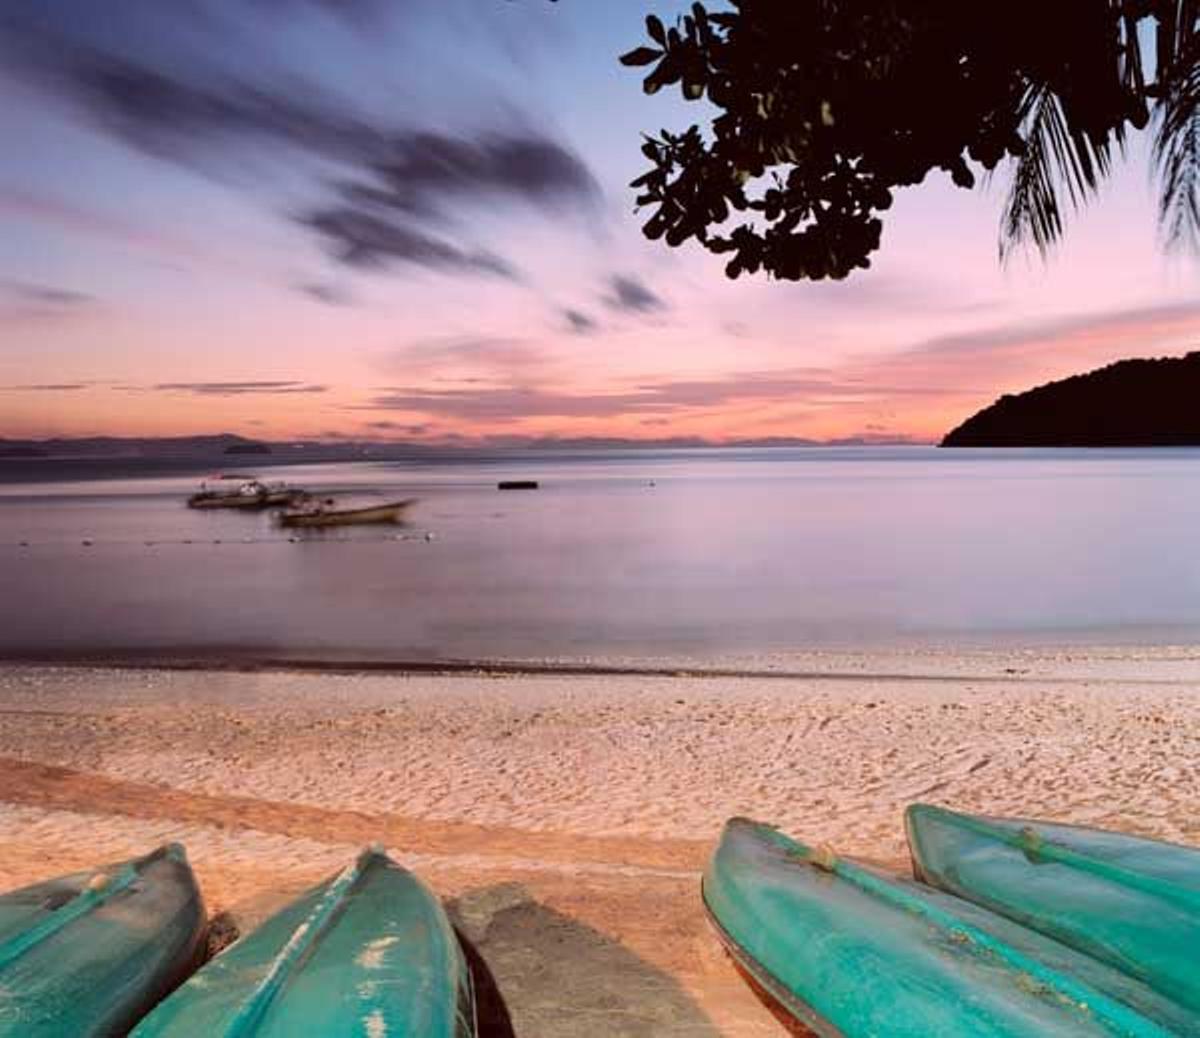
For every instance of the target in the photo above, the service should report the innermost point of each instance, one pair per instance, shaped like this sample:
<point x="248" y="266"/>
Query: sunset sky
<point x="410" y="220"/>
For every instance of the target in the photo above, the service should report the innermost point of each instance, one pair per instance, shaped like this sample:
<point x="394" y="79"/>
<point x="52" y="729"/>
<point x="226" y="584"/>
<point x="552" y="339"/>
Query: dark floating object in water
<point x="517" y="484"/>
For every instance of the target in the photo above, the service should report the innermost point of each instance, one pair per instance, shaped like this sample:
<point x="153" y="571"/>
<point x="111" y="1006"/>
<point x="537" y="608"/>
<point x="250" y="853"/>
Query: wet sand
<point x="566" y="817"/>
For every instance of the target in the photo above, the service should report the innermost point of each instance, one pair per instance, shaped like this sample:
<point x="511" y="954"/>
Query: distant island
<point x="210" y="448"/>
<point x="1132" y="403"/>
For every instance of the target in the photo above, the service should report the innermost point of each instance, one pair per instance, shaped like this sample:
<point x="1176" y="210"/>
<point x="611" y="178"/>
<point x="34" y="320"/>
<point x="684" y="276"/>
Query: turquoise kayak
<point x="369" y="952"/>
<point x="1130" y="902"/>
<point x="86" y="955"/>
<point x="850" y="952"/>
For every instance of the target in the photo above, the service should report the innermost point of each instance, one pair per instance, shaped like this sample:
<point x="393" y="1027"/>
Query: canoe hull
<point x="1130" y="902"/>
<point x="83" y="958"/>
<point x="849" y="951"/>
<point x="227" y="501"/>
<point x="368" y="952"/>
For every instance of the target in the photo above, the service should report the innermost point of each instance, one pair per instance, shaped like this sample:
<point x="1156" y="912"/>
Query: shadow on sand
<point x="548" y="974"/>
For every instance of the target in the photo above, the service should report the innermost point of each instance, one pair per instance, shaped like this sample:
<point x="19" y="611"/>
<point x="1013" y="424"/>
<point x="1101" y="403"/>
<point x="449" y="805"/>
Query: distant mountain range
<point x="226" y="445"/>
<point x="1132" y="403"/>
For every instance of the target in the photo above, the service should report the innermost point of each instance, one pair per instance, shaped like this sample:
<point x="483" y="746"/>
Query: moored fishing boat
<point x="236" y="491"/>
<point x="1131" y="902"/>
<point x="327" y="514"/>
<point x="86" y="955"/>
<point x="369" y="952"/>
<point x="850" y="951"/>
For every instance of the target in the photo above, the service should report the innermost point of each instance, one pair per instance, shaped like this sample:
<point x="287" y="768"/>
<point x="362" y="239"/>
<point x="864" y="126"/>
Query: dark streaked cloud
<point x="25" y="302"/>
<point x="360" y="238"/>
<point x="49" y="387"/>
<point x="421" y="173"/>
<point x="506" y="403"/>
<point x="159" y="98"/>
<point x="1128" y="322"/>
<point x="409" y="429"/>
<point x="631" y="294"/>
<point x="579" y="322"/>
<point x="42" y="295"/>
<point x="466" y="360"/>
<point x="331" y="295"/>
<point x="238" y="388"/>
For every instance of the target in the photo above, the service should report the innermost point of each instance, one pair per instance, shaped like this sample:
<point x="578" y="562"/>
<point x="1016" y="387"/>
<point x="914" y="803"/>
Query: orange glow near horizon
<point x="161" y="278"/>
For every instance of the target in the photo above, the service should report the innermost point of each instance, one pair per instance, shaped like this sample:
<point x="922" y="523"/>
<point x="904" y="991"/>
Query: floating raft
<point x="86" y="955"/>
<point x="851" y="952"/>
<point x="1130" y="902"/>
<point x="369" y="952"/>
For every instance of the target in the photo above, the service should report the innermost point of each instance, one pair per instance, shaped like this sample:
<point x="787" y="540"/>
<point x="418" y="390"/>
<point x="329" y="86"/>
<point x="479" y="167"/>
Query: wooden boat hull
<point x="1130" y="902"/>
<point x="849" y="952"/>
<point x="203" y="500"/>
<point x="86" y="955"/>
<point x="369" y="952"/>
<point x="389" y="513"/>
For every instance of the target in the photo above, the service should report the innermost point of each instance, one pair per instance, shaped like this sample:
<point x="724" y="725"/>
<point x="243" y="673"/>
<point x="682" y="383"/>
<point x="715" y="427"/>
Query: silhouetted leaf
<point x="641" y="56"/>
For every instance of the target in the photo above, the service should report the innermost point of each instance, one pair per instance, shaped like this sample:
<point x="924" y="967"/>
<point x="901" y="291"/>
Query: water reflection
<point x="690" y="551"/>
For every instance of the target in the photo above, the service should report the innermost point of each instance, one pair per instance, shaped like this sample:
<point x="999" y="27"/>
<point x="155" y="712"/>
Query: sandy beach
<point x="566" y="816"/>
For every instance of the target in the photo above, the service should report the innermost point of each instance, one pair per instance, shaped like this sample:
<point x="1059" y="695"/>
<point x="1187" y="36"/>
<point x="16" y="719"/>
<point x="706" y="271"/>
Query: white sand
<point x="571" y="814"/>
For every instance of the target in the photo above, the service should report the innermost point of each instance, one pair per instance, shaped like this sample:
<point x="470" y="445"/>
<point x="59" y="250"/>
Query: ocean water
<point x="621" y="554"/>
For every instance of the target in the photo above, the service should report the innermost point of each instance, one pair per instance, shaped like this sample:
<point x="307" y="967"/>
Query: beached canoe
<point x="850" y="951"/>
<point x="1130" y="902"/>
<point x="369" y="952"/>
<point x="326" y="516"/>
<point x="86" y="955"/>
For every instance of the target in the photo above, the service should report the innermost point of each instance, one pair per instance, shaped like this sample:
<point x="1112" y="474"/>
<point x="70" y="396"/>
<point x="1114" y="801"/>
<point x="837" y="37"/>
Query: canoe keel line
<point x="849" y="951"/>
<point x="86" y="955"/>
<point x="303" y="937"/>
<point x="369" y="952"/>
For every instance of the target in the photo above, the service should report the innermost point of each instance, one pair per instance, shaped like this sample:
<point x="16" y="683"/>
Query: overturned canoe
<point x="369" y="952"/>
<point x="1130" y="902"/>
<point x="86" y="955"/>
<point x="322" y="516"/>
<point x="852" y="952"/>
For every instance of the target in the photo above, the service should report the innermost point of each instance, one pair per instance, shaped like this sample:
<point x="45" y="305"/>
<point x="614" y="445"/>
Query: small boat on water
<point x="850" y="951"/>
<point x="369" y="952"/>
<point x="1127" y="901"/>
<point x="86" y="955"/>
<point x="235" y="491"/>
<point x="326" y="513"/>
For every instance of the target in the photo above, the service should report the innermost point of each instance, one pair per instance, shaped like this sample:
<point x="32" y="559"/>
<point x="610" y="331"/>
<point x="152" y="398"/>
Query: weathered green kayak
<point x="86" y="955"/>
<point x="368" y="953"/>
<point x="852" y="952"/>
<point x="1130" y="902"/>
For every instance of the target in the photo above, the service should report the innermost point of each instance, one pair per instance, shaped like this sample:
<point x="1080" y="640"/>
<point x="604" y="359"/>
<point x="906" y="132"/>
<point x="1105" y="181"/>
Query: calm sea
<point x="622" y="554"/>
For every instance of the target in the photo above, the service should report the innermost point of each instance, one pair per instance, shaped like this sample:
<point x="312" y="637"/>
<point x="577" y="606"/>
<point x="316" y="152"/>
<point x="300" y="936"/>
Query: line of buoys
<point x="90" y="542"/>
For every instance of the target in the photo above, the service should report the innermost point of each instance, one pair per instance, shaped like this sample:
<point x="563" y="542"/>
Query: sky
<point x="410" y="220"/>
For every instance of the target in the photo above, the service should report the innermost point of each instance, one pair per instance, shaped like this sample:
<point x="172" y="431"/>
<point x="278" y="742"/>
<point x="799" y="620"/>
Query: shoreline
<point x="565" y="816"/>
<point x="1154" y="664"/>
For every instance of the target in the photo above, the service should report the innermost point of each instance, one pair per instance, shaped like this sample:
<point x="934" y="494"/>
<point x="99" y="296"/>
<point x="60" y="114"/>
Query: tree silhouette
<point x="824" y="108"/>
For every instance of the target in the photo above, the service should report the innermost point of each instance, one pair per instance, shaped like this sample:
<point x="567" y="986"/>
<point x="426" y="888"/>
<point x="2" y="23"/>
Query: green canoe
<point x="86" y="955"/>
<point x="368" y="953"/>
<point x="1130" y="902"/>
<point x="852" y="952"/>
